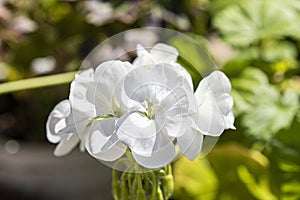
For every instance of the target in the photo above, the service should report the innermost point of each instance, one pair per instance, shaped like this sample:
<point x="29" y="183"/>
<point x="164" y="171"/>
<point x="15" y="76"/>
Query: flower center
<point x="150" y="108"/>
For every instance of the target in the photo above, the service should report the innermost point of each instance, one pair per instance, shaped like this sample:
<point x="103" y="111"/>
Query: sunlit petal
<point x="67" y="143"/>
<point x="138" y="133"/>
<point x="163" y="153"/>
<point x="56" y="120"/>
<point x="163" y="53"/>
<point x="190" y="143"/>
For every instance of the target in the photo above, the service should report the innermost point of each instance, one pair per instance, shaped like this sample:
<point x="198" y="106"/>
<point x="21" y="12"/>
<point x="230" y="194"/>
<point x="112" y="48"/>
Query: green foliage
<point x="264" y="110"/>
<point x="265" y="86"/>
<point x="252" y="21"/>
<point x="245" y="177"/>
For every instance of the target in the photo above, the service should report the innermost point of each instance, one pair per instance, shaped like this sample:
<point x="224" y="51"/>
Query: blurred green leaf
<point x="278" y="50"/>
<point x="252" y="21"/>
<point x="289" y="139"/>
<point x="259" y="188"/>
<point x="264" y="110"/>
<point x="226" y="160"/>
<point x="194" y="179"/>
<point x="230" y="172"/>
<point x="291" y="190"/>
<point x="216" y="6"/>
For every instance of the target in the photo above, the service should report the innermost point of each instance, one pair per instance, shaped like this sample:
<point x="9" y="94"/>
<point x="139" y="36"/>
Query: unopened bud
<point x="167" y="184"/>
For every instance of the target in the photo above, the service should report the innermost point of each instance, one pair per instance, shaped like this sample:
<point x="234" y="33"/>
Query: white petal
<point x="143" y="61"/>
<point x="104" y="104"/>
<point x="208" y="143"/>
<point x="143" y="83"/>
<point x="163" y="154"/>
<point x="172" y="113"/>
<point x="143" y="57"/>
<point x="217" y="81"/>
<point x="78" y="92"/>
<point x="210" y="120"/>
<point x="225" y="102"/>
<point x="141" y="51"/>
<point x="112" y="154"/>
<point x="108" y="76"/>
<point x="229" y="120"/>
<point x="214" y="104"/>
<point x="99" y="134"/>
<point x="190" y="143"/>
<point x="56" y="120"/>
<point x="219" y="86"/>
<point x="167" y="75"/>
<point x="67" y="143"/>
<point x="82" y="107"/>
<point x="138" y="133"/>
<point x="163" y="53"/>
<point x="70" y="126"/>
<point x="182" y="71"/>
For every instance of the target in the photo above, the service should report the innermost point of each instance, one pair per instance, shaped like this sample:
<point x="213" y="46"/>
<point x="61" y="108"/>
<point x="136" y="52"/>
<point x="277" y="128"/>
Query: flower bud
<point x="140" y="195"/>
<point x="167" y="184"/>
<point x="159" y="194"/>
<point x="124" y="187"/>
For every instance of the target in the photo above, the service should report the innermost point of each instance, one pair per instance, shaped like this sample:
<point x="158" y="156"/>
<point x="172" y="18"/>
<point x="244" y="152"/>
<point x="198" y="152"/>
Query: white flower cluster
<point x="148" y="106"/>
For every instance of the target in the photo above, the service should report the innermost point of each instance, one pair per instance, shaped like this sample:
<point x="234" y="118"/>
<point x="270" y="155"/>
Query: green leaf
<point x="252" y="21"/>
<point x="278" y="50"/>
<point x="259" y="188"/>
<point x="265" y="119"/>
<point x="216" y="6"/>
<point x="194" y="179"/>
<point x="265" y="111"/>
<point x="244" y="176"/>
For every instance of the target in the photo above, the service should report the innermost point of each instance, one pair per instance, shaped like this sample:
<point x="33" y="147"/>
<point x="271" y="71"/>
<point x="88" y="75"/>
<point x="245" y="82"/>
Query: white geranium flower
<point x="60" y="128"/>
<point x="159" y="114"/>
<point x="213" y="114"/>
<point x="161" y="53"/>
<point x="214" y="104"/>
<point x="147" y="107"/>
<point x="97" y="110"/>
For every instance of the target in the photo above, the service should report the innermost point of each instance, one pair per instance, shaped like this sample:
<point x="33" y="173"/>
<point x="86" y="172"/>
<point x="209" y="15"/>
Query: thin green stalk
<point x="38" y="82"/>
<point x="116" y="185"/>
<point x="154" y="185"/>
<point x="124" y="187"/>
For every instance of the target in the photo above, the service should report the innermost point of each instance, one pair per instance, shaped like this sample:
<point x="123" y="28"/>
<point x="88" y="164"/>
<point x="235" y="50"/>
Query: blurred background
<point x="255" y="42"/>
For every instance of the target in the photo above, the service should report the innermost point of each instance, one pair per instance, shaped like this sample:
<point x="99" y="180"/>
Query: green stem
<point x="116" y="186"/>
<point x="124" y="187"/>
<point x="38" y="82"/>
<point x="167" y="182"/>
<point x="154" y="185"/>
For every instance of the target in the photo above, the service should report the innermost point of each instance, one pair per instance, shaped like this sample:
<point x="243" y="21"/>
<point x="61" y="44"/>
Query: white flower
<point x="161" y="53"/>
<point x="96" y="109"/>
<point x="158" y="115"/>
<point x="214" y="104"/>
<point x="213" y="114"/>
<point x="148" y="107"/>
<point x="60" y="128"/>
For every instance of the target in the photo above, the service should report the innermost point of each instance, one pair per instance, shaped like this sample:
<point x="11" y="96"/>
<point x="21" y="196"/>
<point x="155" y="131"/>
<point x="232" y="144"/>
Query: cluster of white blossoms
<point x="148" y="107"/>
